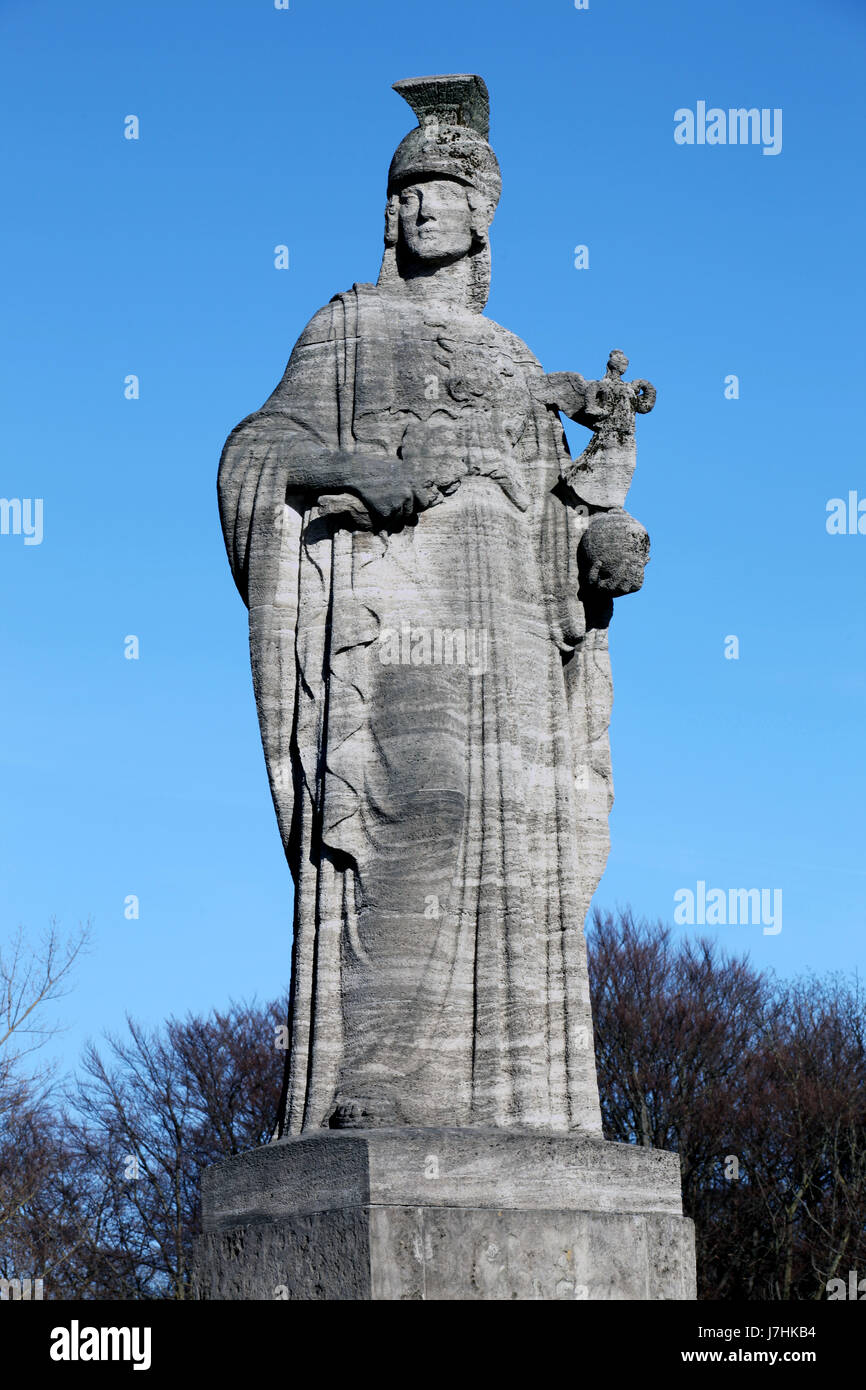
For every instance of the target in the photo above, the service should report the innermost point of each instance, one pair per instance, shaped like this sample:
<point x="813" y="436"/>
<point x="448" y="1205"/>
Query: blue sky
<point x="155" y="257"/>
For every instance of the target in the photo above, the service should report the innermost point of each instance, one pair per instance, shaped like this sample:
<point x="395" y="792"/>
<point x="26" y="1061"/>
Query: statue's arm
<point x="299" y="420"/>
<point x="300" y="423"/>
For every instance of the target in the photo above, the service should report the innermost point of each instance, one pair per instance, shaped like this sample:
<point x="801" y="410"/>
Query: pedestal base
<point x="445" y="1214"/>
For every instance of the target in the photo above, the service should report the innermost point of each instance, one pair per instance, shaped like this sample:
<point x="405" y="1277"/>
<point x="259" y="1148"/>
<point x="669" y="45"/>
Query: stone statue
<point x="603" y="473"/>
<point x="429" y="579"/>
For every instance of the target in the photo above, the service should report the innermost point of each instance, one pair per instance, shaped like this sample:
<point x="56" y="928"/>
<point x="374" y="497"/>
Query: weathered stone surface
<point x="447" y="1253"/>
<point x="614" y="549"/>
<point x="430" y="578"/>
<point x="474" y="1214"/>
<point x="444" y="1167"/>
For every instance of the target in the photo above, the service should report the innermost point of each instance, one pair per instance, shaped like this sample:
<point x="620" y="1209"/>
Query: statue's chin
<point x="431" y="257"/>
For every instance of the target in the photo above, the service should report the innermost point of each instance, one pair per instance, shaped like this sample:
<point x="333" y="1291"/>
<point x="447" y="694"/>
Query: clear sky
<point x="155" y="257"/>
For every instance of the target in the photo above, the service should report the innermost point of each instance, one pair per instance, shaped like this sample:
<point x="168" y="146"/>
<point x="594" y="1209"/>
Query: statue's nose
<point x="426" y="208"/>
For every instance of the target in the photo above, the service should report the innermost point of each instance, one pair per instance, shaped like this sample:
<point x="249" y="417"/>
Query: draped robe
<point x="445" y="820"/>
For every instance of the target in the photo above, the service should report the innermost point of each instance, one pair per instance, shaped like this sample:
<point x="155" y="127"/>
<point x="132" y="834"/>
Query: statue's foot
<point x="363" y="1114"/>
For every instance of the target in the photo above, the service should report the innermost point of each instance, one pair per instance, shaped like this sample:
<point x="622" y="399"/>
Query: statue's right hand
<point x="387" y="491"/>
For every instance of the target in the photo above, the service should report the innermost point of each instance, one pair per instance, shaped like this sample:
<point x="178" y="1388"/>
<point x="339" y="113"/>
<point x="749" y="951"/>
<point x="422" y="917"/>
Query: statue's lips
<point x="432" y="234"/>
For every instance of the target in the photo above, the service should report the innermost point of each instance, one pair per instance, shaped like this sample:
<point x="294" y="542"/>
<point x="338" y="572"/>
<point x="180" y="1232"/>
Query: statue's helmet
<point x="450" y="140"/>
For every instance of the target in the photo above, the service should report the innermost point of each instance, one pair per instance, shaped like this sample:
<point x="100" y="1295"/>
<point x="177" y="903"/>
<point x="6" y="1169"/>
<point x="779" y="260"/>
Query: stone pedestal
<point x="445" y="1214"/>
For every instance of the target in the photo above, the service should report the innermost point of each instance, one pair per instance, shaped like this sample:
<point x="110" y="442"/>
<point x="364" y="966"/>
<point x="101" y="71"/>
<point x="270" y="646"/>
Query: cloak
<point x="445" y="823"/>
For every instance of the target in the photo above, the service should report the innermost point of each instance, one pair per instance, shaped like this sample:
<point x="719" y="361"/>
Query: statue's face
<point x="435" y="220"/>
<point x="618" y="363"/>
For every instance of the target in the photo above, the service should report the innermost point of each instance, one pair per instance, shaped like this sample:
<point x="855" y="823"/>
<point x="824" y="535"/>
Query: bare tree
<point x="803" y="1135"/>
<point x="31" y="976"/>
<point x="33" y="1163"/>
<point x="151" y="1111"/>
<point x="758" y="1084"/>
